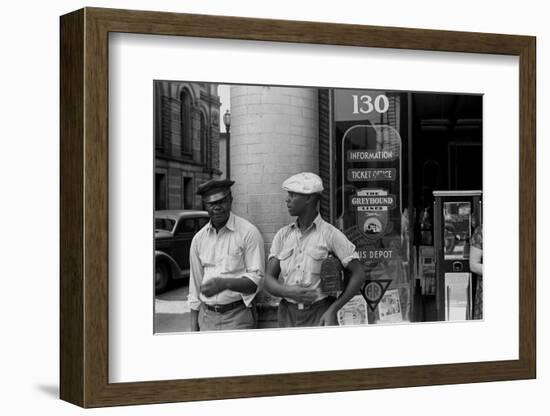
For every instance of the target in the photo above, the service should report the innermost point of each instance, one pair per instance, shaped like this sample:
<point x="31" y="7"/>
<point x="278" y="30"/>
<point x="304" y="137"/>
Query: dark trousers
<point x="289" y="315"/>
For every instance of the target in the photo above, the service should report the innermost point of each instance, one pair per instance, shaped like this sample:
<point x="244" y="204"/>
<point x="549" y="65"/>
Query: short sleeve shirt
<point x="236" y="250"/>
<point x="301" y="253"/>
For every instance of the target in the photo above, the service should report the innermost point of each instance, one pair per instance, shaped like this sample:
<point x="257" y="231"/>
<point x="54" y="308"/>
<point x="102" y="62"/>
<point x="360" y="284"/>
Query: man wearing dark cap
<point x="297" y="253"/>
<point x="227" y="264"/>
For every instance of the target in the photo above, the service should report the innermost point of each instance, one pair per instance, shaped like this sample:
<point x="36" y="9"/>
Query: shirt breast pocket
<point x="315" y="257"/>
<point x="234" y="260"/>
<point x="206" y="260"/>
<point x="284" y="260"/>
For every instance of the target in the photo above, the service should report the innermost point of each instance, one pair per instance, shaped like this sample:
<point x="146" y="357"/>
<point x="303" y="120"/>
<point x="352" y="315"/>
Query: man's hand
<point x="301" y="294"/>
<point x="329" y="318"/>
<point x="213" y="286"/>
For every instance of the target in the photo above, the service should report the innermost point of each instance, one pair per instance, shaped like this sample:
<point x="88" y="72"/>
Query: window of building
<point x="159" y="143"/>
<point x="186" y="123"/>
<point x="204" y="140"/>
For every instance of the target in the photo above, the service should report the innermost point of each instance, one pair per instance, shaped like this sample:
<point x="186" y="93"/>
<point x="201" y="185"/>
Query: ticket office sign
<point x="371" y="175"/>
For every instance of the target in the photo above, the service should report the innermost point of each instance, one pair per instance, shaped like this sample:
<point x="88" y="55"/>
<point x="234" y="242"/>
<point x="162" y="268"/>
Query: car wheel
<point x="162" y="277"/>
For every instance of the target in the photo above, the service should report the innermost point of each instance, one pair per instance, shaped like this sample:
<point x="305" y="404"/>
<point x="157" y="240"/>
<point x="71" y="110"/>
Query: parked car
<point x="174" y="230"/>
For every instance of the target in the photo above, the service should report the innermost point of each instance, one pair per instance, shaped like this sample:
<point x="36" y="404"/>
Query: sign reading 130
<point x="364" y="104"/>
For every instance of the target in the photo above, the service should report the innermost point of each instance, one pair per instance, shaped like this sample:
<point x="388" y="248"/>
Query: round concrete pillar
<point x="274" y="134"/>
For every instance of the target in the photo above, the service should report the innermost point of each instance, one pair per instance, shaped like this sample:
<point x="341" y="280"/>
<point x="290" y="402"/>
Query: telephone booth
<point x="456" y="215"/>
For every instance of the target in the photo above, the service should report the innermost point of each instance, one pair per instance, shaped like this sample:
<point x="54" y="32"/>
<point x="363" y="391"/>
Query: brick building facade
<point x="186" y="141"/>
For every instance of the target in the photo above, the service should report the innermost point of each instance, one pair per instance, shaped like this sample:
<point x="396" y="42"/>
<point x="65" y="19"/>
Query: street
<point x="171" y="309"/>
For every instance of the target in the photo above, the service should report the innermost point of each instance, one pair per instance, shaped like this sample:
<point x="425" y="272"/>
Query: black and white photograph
<point x="289" y="206"/>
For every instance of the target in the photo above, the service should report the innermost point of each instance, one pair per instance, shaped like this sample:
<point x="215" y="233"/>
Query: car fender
<point x="174" y="268"/>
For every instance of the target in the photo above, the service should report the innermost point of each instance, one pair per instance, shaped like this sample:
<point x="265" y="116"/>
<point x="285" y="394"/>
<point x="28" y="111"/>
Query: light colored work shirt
<point x="301" y="254"/>
<point x="236" y="250"/>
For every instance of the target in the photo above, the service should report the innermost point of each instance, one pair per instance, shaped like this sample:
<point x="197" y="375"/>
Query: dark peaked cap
<point x="215" y="189"/>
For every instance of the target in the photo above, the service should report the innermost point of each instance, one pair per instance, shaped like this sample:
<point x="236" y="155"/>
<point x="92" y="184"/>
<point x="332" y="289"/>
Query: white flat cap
<point x="304" y="183"/>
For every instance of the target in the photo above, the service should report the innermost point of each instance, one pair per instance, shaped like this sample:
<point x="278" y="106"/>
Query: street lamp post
<point x="227" y="122"/>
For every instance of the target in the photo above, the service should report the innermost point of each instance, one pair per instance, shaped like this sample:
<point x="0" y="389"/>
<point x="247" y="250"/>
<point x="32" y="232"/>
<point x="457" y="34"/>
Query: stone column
<point x="274" y="134"/>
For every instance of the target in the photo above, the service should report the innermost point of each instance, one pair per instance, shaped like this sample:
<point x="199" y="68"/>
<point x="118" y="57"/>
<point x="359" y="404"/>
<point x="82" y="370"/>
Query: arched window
<point x="186" y="124"/>
<point x="204" y="139"/>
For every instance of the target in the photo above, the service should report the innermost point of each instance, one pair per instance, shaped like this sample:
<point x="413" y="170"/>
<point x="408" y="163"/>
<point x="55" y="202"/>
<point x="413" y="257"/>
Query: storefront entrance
<point x="391" y="151"/>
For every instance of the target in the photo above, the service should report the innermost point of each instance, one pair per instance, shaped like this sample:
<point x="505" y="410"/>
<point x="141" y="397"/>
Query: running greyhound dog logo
<point x="372" y="212"/>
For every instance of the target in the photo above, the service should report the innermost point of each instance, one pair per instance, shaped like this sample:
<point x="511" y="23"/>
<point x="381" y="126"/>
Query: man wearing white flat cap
<point x="296" y="255"/>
